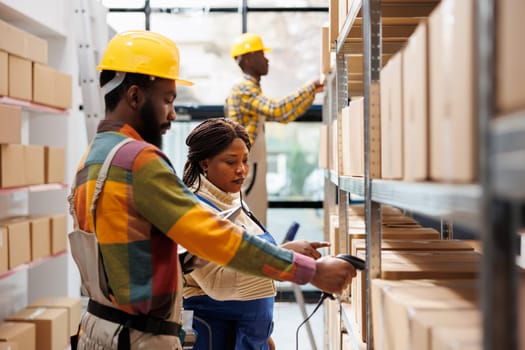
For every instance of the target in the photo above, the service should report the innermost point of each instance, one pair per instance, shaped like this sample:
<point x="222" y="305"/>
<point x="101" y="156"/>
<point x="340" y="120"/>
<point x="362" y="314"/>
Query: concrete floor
<point x="287" y="317"/>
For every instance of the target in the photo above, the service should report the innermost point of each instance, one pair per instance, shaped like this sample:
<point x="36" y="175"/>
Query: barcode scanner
<point x="358" y="263"/>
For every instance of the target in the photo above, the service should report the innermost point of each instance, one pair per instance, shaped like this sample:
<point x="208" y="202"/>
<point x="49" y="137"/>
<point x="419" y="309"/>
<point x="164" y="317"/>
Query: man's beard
<point x="151" y="129"/>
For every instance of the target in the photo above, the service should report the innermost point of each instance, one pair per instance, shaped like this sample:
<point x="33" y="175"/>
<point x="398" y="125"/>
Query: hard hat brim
<point x="177" y="79"/>
<point x="184" y="82"/>
<point x="265" y="49"/>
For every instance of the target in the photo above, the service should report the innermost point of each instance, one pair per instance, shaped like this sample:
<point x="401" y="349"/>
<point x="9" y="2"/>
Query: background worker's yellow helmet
<point x="143" y="52"/>
<point x="247" y="42"/>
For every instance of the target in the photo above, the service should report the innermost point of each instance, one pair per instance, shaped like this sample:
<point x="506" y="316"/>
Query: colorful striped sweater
<point x="142" y="213"/>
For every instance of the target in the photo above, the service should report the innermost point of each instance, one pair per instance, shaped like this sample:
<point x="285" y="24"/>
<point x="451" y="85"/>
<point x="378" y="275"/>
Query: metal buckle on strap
<point x="143" y="323"/>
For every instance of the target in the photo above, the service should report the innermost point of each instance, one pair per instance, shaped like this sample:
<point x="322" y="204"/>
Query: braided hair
<point x="208" y="139"/>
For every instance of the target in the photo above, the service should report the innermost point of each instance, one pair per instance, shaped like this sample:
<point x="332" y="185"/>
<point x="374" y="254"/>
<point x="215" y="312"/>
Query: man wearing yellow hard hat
<point x="248" y="106"/>
<point x="130" y="211"/>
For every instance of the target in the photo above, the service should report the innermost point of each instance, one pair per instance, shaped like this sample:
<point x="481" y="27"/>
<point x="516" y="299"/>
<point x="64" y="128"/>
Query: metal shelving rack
<point x="487" y="207"/>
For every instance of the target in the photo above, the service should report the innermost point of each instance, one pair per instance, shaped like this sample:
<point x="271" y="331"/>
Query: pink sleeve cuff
<point x="305" y="268"/>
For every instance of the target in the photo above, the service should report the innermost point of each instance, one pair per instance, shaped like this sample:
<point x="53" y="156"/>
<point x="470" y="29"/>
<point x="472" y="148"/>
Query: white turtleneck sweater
<point x="218" y="282"/>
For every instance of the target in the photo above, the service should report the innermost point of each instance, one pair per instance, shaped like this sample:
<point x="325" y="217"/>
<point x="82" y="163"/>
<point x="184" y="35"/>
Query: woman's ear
<point x="203" y="164"/>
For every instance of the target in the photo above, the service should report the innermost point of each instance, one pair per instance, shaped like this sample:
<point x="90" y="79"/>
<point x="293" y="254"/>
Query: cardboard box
<point x="343" y="13"/>
<point x="392" y="118"/>
<point x="10" y="124"/>
<point x="58" y="228"/>
<point x="19" y="249"/>
<point x="64" y="88"/>
<point x="8" y="346"/>
<point x="325" y="50"/>
<point x="346" y="137"/>
<point x="323" y="147"/>
<point x="4" y="250"/>
<point x="21" y="43"/>
<point x="52" y="326"/>
<point x="416" y="245"/>
<point x="386" y="210"/>
<point x="21" y="333"/>
<point x="454" y="338"/>
<point x="4" y="73"/>
<point x="419" y="233"/>
<point x="43" y="84"/>
<point x="334" y="322"/>
<point x="441" y="251"/>
<point x="72" y="305"/>
<point x="55" y="158"/>
<point x="12" y="169"/>
<point x="357" y="141"/>
<point x="393" y="307"/>
<point x="415" y="106"/>
<point x="40" y="237"/>
<point x="416" y="265"/>
<point x="334" y="22"/>
<point x="510" y="71"/>
<point x="20" y="78"/>
<point x="453" y="127"/>
<point x="346" y="145"/>
<point x="51" y="87"/>
<point x="34" y="168"/>
<point x="334" y="151"/>
<point x="423" y="323"/>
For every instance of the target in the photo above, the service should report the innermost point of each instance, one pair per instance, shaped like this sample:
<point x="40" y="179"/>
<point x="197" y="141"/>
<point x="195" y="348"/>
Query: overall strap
<point x="102" y="175"/>
<point x="202" y="199"/>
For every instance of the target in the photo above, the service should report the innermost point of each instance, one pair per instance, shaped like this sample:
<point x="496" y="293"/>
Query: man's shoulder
<point x="128" y="154"/>
<point x="244" y="87"/>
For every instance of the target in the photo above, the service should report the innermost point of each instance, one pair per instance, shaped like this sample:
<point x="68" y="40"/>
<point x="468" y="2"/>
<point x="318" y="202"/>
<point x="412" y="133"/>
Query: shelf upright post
<point x="329" y="108"/>
<point x="371" y="68"/>
<point x="499" y="298"/>
<point x="342" y="102"/>
<point x="330" y="188"/>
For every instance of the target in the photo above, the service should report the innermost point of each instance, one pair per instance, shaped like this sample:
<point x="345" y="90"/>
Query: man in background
<point x="248" y="106"/>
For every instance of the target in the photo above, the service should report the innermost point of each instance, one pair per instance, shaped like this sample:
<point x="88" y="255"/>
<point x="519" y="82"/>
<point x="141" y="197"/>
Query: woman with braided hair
<point x="232" y="310"/>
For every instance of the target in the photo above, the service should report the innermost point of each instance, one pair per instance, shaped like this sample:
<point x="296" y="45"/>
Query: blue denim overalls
<point x="235" y="324"/>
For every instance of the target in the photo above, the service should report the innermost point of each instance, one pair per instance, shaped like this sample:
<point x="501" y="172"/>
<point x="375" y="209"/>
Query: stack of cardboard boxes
<point x="24" y="73"/>
<point x="45" y="324"/>
<point x="29" y="239"/>
<point x="26" y="79"/>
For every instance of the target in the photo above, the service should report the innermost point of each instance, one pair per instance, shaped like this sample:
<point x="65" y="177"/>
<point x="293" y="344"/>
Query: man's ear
<point x="134" y="96"/>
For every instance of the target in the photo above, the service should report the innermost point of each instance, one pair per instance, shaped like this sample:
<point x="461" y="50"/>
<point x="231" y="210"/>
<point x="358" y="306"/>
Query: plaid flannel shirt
<point x="246" y="104"/>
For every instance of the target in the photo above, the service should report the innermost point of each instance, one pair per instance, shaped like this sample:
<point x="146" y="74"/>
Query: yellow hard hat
<point x="247" y="42"/>
<point x="143" y="52"/>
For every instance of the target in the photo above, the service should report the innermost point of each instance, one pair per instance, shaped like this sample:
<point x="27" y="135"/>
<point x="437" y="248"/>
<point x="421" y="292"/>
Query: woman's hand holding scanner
<point x="332" y="274"/>
<point x="306" y="248"/>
